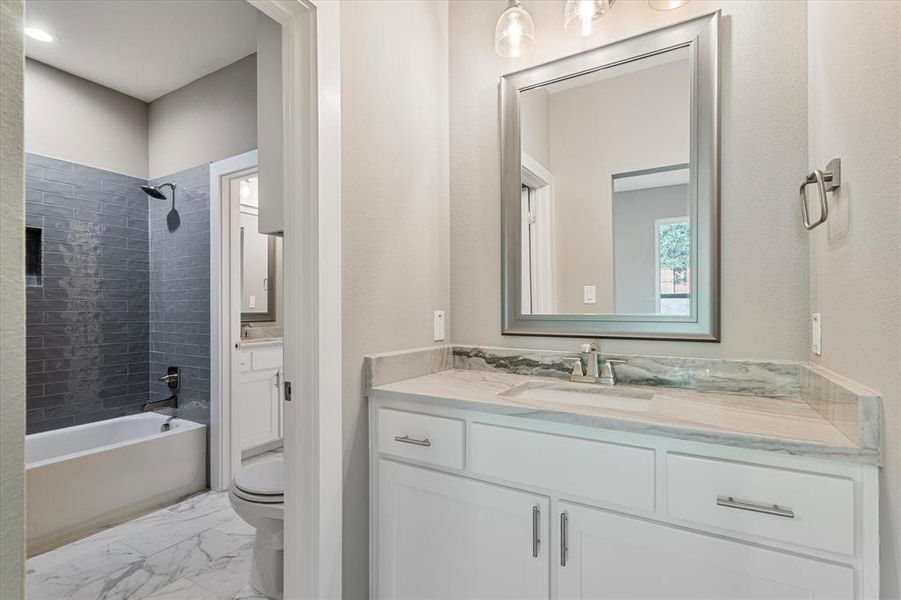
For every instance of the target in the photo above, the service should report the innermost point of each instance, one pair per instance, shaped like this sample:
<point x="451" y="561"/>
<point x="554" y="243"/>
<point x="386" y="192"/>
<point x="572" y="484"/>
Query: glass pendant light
<point x="667" y="4"/>
<point x="579" y="15"/>
<point x="514" y="34"/>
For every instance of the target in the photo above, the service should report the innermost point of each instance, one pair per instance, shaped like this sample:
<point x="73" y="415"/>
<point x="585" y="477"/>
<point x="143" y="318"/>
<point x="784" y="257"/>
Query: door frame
<point x="311" y="88"/>
<point x="225" y="323"/>
<point x="541" y="242"/>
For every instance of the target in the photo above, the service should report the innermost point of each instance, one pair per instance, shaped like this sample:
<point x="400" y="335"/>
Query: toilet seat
<point x="258" y="498"/>
<point x="261" y="483"/>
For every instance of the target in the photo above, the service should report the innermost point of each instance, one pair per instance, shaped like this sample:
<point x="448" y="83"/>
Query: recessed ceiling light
<point x="38" y="34"/>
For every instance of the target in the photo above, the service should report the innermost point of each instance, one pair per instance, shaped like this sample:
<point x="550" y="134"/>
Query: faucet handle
<point x="577" y="368"/>
<point x="589" y="347"/>
<point x="607" y="371"/>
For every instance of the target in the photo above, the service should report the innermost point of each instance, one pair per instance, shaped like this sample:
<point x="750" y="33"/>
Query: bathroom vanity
<point x="259" y="393"/>
<point x="489" y="483"/>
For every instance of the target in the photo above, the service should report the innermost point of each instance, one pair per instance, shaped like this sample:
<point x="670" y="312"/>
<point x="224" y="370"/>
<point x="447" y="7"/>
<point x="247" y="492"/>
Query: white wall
<point x="207" y="120"/>
<point x="74" y="119"/>
<point x="269" y="122"/>
<point x="855" y="258"/>
<point x="394" y="121"/>
<point x="12" y="304"/>
<point x="764" y="107"/>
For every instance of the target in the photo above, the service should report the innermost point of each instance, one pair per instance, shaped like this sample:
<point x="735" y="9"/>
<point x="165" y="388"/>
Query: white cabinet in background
<point x="443" y="536"/>
<point x="620" y="516"/>
<point x="259" y="395"/>
<point x="612" y="556"/>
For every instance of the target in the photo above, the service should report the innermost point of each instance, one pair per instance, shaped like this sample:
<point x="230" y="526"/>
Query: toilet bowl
<point x="257" y="496"/>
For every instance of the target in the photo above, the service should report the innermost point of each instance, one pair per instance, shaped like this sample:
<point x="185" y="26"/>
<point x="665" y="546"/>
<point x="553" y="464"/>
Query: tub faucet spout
<point x="170" y="402"/>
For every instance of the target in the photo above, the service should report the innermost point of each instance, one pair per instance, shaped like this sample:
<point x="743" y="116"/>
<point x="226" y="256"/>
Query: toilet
<point x="257" y="495"/>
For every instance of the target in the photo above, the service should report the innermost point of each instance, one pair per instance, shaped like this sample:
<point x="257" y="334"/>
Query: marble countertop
<point x="787" y="424"/>
<point x="257" y="342"/>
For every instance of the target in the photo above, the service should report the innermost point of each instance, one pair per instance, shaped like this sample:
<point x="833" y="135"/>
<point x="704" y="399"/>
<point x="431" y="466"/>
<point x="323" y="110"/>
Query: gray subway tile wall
<point x="180" y="289"/>
<point x="124" y="294"/>
<point x="87" y="328"/>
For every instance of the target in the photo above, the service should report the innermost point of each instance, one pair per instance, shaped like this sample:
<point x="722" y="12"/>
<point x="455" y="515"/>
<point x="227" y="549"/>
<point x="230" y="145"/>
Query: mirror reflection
<point x="606" y="210"/>
<point x="257" y="257"/>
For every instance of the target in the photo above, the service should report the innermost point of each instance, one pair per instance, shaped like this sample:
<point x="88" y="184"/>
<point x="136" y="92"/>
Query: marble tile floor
<point x="198" y="549"/>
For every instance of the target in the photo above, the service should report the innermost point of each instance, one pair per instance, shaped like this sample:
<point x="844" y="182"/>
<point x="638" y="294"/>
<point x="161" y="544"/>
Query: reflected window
<point x="673" y="253"/>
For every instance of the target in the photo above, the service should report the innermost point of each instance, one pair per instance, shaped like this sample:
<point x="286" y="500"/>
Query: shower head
<point x="154" y="190"/>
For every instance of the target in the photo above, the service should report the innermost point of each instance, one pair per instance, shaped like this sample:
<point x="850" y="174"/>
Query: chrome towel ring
<point x="826" y="181"/>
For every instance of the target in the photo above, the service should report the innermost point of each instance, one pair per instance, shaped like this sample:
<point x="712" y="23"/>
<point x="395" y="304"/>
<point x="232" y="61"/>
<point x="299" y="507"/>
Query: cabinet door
<point x="258" y="407"/>
<point x="614" y="556"/>
<point x="442" y="536"/>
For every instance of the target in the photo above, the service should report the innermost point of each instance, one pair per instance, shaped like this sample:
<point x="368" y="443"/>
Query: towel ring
<point x="826" y="181"/>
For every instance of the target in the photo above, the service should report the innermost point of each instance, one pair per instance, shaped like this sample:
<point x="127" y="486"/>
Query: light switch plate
<point x="439" y="325"/>
<point x="816" y="334"/>
<point x="590" y="294"/>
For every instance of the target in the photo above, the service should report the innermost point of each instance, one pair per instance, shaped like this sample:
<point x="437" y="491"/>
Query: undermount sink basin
<point x="583" y="394"/>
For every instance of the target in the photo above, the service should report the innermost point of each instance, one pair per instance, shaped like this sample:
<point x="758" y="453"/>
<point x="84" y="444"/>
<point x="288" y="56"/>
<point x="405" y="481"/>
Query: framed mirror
<point x="257" y="258"/>
<point x="610" y="190"/>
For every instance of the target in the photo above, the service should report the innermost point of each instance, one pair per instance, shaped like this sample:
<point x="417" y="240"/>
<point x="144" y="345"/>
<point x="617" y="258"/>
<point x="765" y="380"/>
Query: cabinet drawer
<point x="610" y="473"/>
<point x="801" y="508"/>
<point x="436" y="440"/>
<point x="266" y="358"/>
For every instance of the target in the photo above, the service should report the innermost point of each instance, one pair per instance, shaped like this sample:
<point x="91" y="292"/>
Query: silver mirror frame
<point x="701" y="37"/>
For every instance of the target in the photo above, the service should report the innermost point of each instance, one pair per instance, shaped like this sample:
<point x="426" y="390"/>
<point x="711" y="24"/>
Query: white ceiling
<point x="143" y="48"/>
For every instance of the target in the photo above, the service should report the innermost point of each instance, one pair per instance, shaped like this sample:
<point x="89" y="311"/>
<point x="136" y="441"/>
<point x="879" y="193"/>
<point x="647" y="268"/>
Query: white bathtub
<point x="85" y="478"/>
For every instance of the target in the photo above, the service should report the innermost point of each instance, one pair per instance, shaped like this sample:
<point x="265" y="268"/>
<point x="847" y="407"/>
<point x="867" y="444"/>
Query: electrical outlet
<point x="816" y="334"/>
<point x="589" y="294"/>
<point x="439" y="325"/>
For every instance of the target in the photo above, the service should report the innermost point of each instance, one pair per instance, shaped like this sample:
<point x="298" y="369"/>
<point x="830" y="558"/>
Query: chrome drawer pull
<point x="405" y="439"/>
<point x="536" y="526"/>
<point x="767" y="509"/>
<point x="564" y="538"/>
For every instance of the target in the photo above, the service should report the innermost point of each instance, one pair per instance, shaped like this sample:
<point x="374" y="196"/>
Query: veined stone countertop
<point x="787" y="424"/>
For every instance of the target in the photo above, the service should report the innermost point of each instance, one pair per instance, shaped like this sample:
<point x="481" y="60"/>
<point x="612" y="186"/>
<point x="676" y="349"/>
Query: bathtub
<point x="82" y="479"/>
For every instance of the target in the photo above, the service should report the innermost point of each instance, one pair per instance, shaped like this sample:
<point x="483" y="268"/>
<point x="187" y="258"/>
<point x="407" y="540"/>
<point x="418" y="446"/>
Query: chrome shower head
<point x="154" y="190"/>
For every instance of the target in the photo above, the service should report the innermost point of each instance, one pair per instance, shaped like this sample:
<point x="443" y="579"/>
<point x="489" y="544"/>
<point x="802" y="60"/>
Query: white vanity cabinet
<point x="467" y="504"/>
<point x="614" y="556"/>
<point x="259" y="394"/>
<point x="444" y="536"/>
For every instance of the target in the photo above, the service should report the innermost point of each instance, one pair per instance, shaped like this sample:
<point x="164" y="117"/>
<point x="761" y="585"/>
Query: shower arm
<point x="171" y="186"/>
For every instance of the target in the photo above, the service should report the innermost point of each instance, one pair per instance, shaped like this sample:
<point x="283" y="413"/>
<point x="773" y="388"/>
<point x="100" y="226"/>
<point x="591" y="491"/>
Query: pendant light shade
<point x="667" y="4"/>
<point x="514" y="34"/>
<point x="580" y="16"/>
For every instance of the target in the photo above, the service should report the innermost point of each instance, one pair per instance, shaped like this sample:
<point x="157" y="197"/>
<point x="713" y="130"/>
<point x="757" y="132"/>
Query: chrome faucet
<point x="170" y="402"/>
<point x="599" y="370"/>
<point x="168" y="424"/>
<point x="172" y="379"/>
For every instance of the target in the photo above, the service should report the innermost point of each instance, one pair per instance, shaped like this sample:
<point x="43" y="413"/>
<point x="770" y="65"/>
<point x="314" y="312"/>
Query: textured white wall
<point x="855" y="258"/>
<point x="12" y="303"/>
<point x="74" y="119"/>
<point x="764" y="151"/>
<point x="394" y="137"/>
<point x="209" y="119"/>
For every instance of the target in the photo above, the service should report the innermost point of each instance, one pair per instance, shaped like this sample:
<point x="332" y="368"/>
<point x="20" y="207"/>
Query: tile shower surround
<point x="180" y="290"/>
<point x="92" y="335"/>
